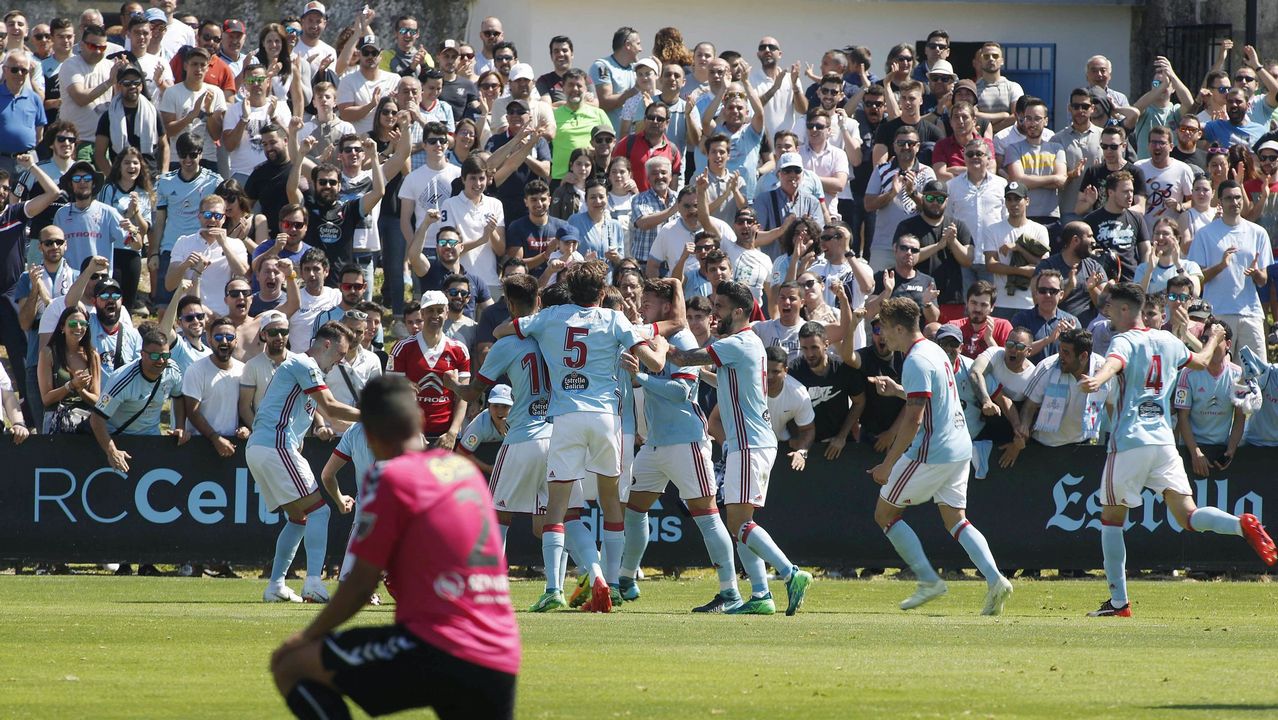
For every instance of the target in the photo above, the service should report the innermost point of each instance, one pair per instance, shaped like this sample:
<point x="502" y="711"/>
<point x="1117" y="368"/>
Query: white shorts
<point x="1157" y="467"/>
<point x="590" y="483"/>
<point x="282" y="475"/>
<point x="746" y="474"/>
<point x="518" y="482"/>
<point x="583" y="443"/>
<point x="688" y="466"/>
<point x="914" y="483"/>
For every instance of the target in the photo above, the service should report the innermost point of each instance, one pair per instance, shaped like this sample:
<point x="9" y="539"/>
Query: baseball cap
<point x="789" y="160"/>
<point x="448" y="44"/>
<point x="1199" y="309"/>
<point x="517" y="106"/>
<point x="434" y="297"/>
<point x="156" y="15"/>
<point x="107" y="285"/>
<point x="651" y="63"/>
<point x="521" y="71"/>
<point x="366" y="41"/>
<point x="1268" y="145"/>
<point x="233" y="26"/>
<point x="948" y="332"/>
<point x="941" y="67"/>
<point x="129" y="70"/>
<point x="935" y="187"/>
<point x="273" y="317"/>
<point x="500" y="395"/>
<point x="1017" y="189"/>
<point x="602" y="130"/>
<point x="967" y="85"/>
<point x="314" y="6"/>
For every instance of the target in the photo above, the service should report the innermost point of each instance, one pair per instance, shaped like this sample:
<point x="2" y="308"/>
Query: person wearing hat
<point x="458" y="90"/>
<point x="230" y="49"/>
<point x="407" y="57"/>
<point x="359" y="92"/>
<point x="423" y="359"/>
<point x="272" y="336"/>
<point x="940" y="80"/>
<point x="311" y="44"/>
<point x="646" y="72"/>
<point x="178" y="34"/>
<point x="779" y="208"/>
<point x="947" y="246"/>
<point x="602" y="140"/>
<point x="1013" y="248"/>
<point x="131" y="120"/>
<point x="492" y="426"/>
<point x="539" y="114"/>
<point x="116" y="342"/>
<point x="91" y="226"/>
<point x="576" y="123"/>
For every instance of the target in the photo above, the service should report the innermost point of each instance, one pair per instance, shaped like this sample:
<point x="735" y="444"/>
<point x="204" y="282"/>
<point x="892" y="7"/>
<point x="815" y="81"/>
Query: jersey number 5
<point x="576" y="347"/>
<point x="1154" y="380"/>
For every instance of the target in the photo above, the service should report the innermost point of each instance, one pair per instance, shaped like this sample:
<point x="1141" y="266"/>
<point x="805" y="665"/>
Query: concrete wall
<point x="813" y="26"/>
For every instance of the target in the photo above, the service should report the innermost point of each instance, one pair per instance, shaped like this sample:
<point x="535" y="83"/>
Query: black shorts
<point x="386" y="668"/>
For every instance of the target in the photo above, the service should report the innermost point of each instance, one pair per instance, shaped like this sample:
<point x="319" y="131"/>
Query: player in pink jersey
<point x="427" y="518"/>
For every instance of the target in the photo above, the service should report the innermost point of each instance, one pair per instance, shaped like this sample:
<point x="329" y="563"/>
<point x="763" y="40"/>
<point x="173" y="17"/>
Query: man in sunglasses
<point x="434" y="274"/>
<point x="211" y="392"/>
<point x="359" y="92"/>
<point x="273" y="332"/>
<point x="407" y="58"/>
<point x="1046" y="320"/>
<point x="210" y="254"/>
<point x="650" y="141"/>
<point x="22" y="116"/>
<point x="92" y="227"/>
<point x="116" y="341"/>
<point x="35" y="290"/>
<point x="244" y="121"/>
<point x="1091" y="195"/>
<point x="893" y="193"/>
<point x="458" y="324"/>
<point x="87" y="80"/>
<point x="188" y="317"/>
<point x="1008" y="370"/>
<point x="347" y="378"/>
<point x="131" y="120"/>
<point x="179" y="194"/>
<point x="131" y="401"/>
<point x="351" y="287"/>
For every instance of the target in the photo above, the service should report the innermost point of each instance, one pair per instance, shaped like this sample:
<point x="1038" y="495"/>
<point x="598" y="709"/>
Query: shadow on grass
<point x="1219" y="707"/>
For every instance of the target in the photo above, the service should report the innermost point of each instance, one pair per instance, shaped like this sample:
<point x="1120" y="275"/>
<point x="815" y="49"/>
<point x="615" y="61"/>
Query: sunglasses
<point x="808" y="284"/>
<point x="1049" y="291"/>
<point x="827" y="237"/>
<point x="745" y="221"/>
<point x="491" y="33"/>
<point x="41" y="36"/>
<point x="352" y="149"/>
<point x="347" y="287"/>
<point x="903" y="58"/>
<point x="95" y="46"/>
<point x="407" y="32"/>
<point x="224" y="337"/>
<point x="1015" y="346"/>
<point x="356" y="315"/>
<point x="1178" y="297"/>
<point x="450" y="242"/>
<point x="240" y="293"/>
<point x="77" y="324"/>
<point x="255" y="79"/>
<point x="458" y="292"/>
<point x="436" y="141"/>
<point x="503" y="58"/>
<point x="16" y="70"/>
<point x="937" y="46"/>
<point x="1222" y="89"/>
<point x="1187" y="129"/>
<point x="212" y="215"/>
<point x="973" y="155"/>
<point x="388" y="111"/>
<point x="935" y="198"/>
<point x="940" y="78"/>
<point x="910" y="250"/>
<point x="158" y="356"/>
<point x="109" y="296"/>
<point x="766" y="47"/>
<point x="370" y="52"/>
<point x="196" y="155"/>
<point x="1080" y="106"/>
<point x="98" y="277"/>
<point x="194" y="317"/>
<point x="130" y="83"/>
<point x="78" y="178"/>
<point x="53" y="243"/>
<point x="292" y="225"/>
<point x="872" y="103"/>
<point x="1244" y="78"/>
<point x="216" y="38"/>
<point x="816" y="127"/>
<point x="830" y="91"/>
<point x="276" y="332"/>
<point x="906" y="143"/>
<point x="602" y="139"/>
<point x="327" y="182"/>
<point x="703" y="248"/>
<point x="466" y="56"/>
<point x="1110" y="146"/>
<point x="1267" y="158"/>
<point x="657" y="119"/>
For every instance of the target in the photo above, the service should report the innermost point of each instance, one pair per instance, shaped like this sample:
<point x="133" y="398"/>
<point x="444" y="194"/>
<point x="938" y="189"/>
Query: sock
<point x="311" y="700"/>
<point x="1210" y="519"/>
<point x="316" y="540"/>
<point x="552" y="552"/>
<point x="636" y="542"/>
<point x="614" y="539"/>
<point x="907" y="545"/>
<point x="503" y="529"/>
<point x="285" y="548"/>
<point x="1115" y="551"/>
<point x="974" y="543"/>
<point x="581" y="542"/>
<point x="719" y="547"/>
<point x="755" y="568"/>
<point x="761" y="543"/>
<point x="563" y="567"/>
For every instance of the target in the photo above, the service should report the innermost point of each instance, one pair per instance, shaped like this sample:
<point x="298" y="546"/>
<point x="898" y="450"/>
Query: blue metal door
<point x="1033" y="65"/>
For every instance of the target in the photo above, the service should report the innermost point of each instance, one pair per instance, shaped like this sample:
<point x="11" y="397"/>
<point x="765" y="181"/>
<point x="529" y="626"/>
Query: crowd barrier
<point x="59" y="502"/>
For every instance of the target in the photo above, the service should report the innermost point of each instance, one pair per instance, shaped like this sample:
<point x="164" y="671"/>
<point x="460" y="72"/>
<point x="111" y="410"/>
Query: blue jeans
<point x="393" y="249"/>
<point x="860" y="221"/>
<point x="160" y="295"/>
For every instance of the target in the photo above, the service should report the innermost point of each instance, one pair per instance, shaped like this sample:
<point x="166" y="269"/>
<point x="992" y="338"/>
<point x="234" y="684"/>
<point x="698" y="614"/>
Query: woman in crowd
<point x="898" y="66"/>
<point x="621" y="192"/>
<point x="128" y="189"/>
<point x="465" y="141"/>
<point x="1168" y="262"/>
<point x="568" y="197"/>
<point x="814" y="307"/>
<point x="668" y="48"/>
<point x="491" y="86"/>
<point x="597" y="231"/>
<point x="796" y="242"/>
<point x="241" y="222"/>
<point x="70" y="375"/>
<point x="1202" y="209"/>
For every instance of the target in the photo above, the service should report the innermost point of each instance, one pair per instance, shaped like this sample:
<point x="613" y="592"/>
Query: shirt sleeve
<point x="724" y="351"/>
<point x="916" y="382"/>
<point x="804" y="414"/>
<point x="1120" y="348"/>
<point x="1183" y="398"/>
<point x="625" y="332"/>
<point x="308" y="376"/>
<point x="191" y="382"/>
<point x="529" y="326"/>
<point x="345" y="446"/>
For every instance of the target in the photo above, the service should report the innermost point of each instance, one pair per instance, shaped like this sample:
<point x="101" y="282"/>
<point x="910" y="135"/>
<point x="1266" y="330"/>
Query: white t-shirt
<point x="773" y="332"/>
<point x="249" y="154"/>
<point x="749" y="267"/>
<point x="315" y="53"/>
<point x="357" y="89"/>
<point x="149" y="63"/>
<point x="217" y="391"/>
<point x="674" y="235"/>
<point x="999" y="376"/>
<point x="365" y="367"/>
<point x="1174" y="182"/>
<point x="470" y="219"/>
<point x="258" y="372"/>
<point x="217" y="274"/>
<point x="793" y="403"/>
<point x="999" y="235"/>
<point x="85" y="117"/>
<point x="303" y="321"/>
<point x="177" y="36"/>
<point x="179" y="100"/>
<point x="428" y="188"/>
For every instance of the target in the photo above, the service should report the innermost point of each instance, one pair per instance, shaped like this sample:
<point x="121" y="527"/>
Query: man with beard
<point x="431" y="275"/>
<point x="904" y="280"/>
<point x="980" y="329"/>
<point x="1085" y="278"/>
<point x="277" y="281"/>
<point x="1091" y="191"/>
<point x="946" y="247"/>
<point x="1046" y="321"/>
<point x="360" y="90"/>
<point x="423" y="359"/>
<point x="836" y="391"/>
<point x="928" y="132"/>
<point x="1056" y="411"/>
<point x="1238" y="128"/>
<point x="243" y="123"/>
<point x="210" y="254"/>
<point x="893" y="194"/>
<point x="1168" y="181"/>
<point x="287" y="244"/>
<point x="267" y="185"/>
<point x="178" y="194"/>
<point x="283" y="476"/>
<point x="238" y="297"/>
<point x="347" y="378"/>
<point x="351" y="291"/>
<point x="211" y="391"/>
<point x="132" y="399"/>
<point x="1013" y="248"/>
<point x="131" y="120"/>
<point x="258" y="370"/>
<point x="574" y="122"/>
<point x="311" y="45"/>
<point x="459" y="325"/>
<point x="91" y="227"/>
<point x="520" y="155"/>
<point x="190" y="318"/>
<point x="116" y="342"/>
<point x="1120" y="232"/>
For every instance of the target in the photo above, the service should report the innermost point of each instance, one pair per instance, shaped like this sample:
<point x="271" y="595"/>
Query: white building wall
<point x="1079" y="31"/>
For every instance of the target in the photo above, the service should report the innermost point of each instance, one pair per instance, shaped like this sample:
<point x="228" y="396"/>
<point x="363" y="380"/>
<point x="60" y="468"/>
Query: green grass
<point x="106" y="647"/>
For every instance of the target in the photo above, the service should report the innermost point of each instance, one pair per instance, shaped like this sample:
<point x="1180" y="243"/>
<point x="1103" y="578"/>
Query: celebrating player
<point x="1142" y="446"/>
<point x="580" y="343"/>
<point x="284" y="478"/>
<point x="750" y="449"/>
<point x="930" y="459"/>
<point x="454" y="645"/>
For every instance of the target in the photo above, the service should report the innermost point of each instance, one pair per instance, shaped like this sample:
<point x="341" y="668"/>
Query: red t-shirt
<point x="636" y="149"/>
<point x="974" y="338"/>
<point x="950" y="152"/>
<point x="423" y="367"/>
<point x="219" y="73"/>
<point x="427" y="519"/>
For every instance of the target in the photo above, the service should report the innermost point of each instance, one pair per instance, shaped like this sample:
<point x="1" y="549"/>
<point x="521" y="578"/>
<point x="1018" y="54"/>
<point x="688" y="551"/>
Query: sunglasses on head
<point x="276" y="332"/>
<point x="458" y="292"/>
<point x="194" y="317"/>
<point x="356" y="315"/>
<point x="212" y="215"/>
<point x="224" y="337"/>
<point x="239" y="293"/>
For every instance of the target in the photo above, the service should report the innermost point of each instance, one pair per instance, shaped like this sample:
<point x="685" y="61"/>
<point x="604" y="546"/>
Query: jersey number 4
<point x="575" y="347"/>
<point x="1154" y="380"/>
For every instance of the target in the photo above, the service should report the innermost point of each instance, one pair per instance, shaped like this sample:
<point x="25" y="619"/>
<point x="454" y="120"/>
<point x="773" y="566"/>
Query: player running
<point x="930" y="459"/>
<point x="580" y="343"/>
<point x="428" y="521"/>
<point x="750" y="449"/>
<point x="1142" y="446"/>
<point x="284" y="478"/>
<point x="677" y="450"/>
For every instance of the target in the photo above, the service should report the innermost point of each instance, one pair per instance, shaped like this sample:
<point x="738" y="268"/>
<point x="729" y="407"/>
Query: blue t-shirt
<point x="479" y="431"/>
<point x="743" y="391"/>
<point x="522" y="232"/>
<point x="180" y="199"/>
<point x="943" y="437"/>
<point x="1031" y="320"/>
<point x="20" y="115"/>
<point x="580" y="345"/>
<point x="1151" y="360"/>
<point x="184" y="354"/>
<point x="607" y="70"/>
<point x="670" y="400"/>
<point x="285" y="413"/>
<point x="94" y="230"/>
<point x="1209" y="400"/>
<point x="125" y="343"/>
<point x="1226" y="134"/>
<point x="520" y="362"/>
<point x="128" y="392"/>
<point x="607" y="235"/>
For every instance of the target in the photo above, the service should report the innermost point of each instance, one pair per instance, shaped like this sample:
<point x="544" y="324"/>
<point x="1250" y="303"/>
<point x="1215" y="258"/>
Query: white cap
<point x="1268" y="145"/>
<point x="651" y="63"/>
<point x="314" y="6"/>
<point x="500" y="395"/>
<point x="434" y="297"/>
<point x="941" y="67"/>
<point x="789" y="159"/>
<point x="273" y="317"/>
<point x="521" y="71"/>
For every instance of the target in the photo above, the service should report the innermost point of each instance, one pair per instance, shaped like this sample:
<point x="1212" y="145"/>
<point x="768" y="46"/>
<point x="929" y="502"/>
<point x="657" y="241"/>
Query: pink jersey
<point x="427" y="519"/>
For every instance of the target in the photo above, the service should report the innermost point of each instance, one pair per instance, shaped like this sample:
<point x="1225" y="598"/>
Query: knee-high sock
<point x="719" y="547"/>
<point x="907" y="545"/>
<point x="316" y="540"/>
<point x="761" y="543"/>
<point x="313" y="701"/>
<point x="755" y="567"/>
<point x="1210" y="519"/>
<point x="581" y="543"/>
<point x="974" y="543"/>
<point x="614" y="540"/>
<point x="552" y="552"/>
<point x="285" y="549"/>
<point x="636" y="542"/>
<point x="1115" y="551"/>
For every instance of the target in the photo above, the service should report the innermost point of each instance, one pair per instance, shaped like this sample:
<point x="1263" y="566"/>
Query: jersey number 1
<point x="538" y="373"/>
<point x="1154" y="380"/>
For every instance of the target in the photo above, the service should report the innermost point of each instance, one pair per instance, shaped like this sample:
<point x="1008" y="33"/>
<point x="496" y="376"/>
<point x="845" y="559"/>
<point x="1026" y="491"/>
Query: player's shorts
<point x="282" y="475"/>
<point x="746" y="474"/>
<point x="386" y="668"/>
<point x="590" y="483"/>
<point x="583" y="443"/>
<point x="688" y="466"/>
<point x="518" y="482"/>
<point x="913" y="483"/>
<point x="1127" y="472"/>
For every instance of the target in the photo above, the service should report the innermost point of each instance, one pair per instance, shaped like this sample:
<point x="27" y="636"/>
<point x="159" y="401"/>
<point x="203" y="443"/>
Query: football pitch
<point x="106" y="647"/>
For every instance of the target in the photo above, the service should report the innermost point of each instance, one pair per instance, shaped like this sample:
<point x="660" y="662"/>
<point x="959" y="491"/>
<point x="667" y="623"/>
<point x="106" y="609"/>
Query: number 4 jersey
<point x="580" y="345"/>
<point x="1151" y="360"/>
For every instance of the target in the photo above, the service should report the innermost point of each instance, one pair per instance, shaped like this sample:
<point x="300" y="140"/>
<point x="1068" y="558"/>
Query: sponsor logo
<point x="576" y="382"/>
<point x="450" y="586"/>
<point x="1073" y="511"/>
<point x="539" y="408"/>
<point x="1149" y="410"/>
